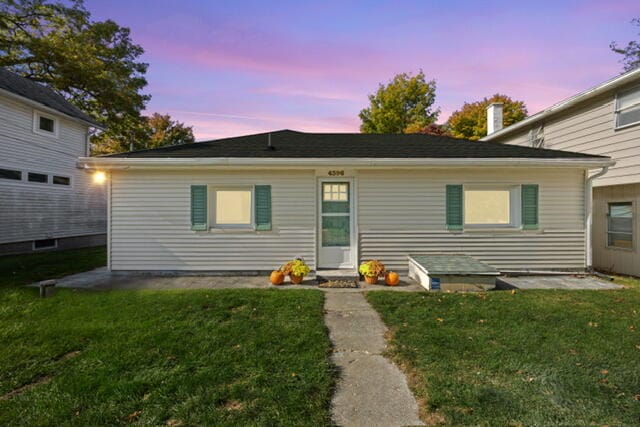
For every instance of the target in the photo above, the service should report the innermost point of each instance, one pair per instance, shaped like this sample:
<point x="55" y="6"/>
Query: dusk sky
<point x="236" y="67"/>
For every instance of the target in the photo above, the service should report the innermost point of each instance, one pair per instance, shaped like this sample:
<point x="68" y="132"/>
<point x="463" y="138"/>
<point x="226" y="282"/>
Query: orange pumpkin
<point x="392" y="278"/>
<point x="276" y="277"/>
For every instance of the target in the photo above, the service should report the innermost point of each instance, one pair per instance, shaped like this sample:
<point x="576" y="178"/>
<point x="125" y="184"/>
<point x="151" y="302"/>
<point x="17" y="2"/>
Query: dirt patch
<point x="69" y="355"/>
<point x="41" y="380"/>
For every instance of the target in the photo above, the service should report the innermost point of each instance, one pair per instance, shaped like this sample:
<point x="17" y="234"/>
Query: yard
<point x="523" y="358"/>
<point x="166" y="357"/>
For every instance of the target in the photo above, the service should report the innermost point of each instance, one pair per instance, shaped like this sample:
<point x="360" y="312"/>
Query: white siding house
<point x="604" y="120"/>
<point x="45" y="200"/>
<point x="198" y="207"/>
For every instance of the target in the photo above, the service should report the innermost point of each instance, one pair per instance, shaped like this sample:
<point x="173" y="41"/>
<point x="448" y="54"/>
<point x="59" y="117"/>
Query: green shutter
<point x="454" y="207"/>
<point x="198" y="207"/>
<point x="263" y="207"/>
<point x="529" y="198"/>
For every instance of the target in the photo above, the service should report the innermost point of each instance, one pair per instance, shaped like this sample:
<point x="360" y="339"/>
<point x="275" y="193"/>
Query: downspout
<point x="588" y="214"/>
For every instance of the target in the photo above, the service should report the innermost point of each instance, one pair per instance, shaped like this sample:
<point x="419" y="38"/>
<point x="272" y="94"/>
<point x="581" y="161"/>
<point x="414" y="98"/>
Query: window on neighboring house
<point x="10" y="174"/>
<point x="61" y="180"/>
<point x="620" y="225"/>
<point x="38" y="177"/>
<point x="494" y="206"/>
<point x="45" y="124"/>
<point x="232" y="207"/>
<point x="628" y="108"/>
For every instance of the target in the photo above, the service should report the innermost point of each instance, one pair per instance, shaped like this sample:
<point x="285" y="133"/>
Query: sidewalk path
<point x="371" y="390"/>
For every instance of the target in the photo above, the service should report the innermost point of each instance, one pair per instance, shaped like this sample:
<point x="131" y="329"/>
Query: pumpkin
<point x="392" y="278"/>
<point x="276" y="277"/>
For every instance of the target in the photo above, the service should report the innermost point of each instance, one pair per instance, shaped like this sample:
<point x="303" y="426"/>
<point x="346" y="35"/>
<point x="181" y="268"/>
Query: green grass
<point x="205" y="357"/>
<point x="529" y="358"/>
<point x="18" y="270"/>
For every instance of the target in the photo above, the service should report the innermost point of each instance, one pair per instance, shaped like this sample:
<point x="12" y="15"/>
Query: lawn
<point x="232" y="357"/>
<point x="24" y="269"/>
<point x="523" y="358"/>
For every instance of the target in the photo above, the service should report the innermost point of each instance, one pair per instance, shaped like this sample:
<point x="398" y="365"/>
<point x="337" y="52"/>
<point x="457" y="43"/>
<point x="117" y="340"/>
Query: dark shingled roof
<point x="292" y="144"/>
<point x="41" y="94"/>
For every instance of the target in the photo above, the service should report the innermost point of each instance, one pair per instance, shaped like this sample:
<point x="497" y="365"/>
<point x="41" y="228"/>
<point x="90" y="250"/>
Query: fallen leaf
<point x="572" y="351"/>
<point x="293" y="374"/>
<point x="604" y="372"/>
<point x="146" y="396"/>
<point x="637" y="397"/>
<point x="632" y="328"/>
<point x="481" y="321"/>
<point x="440" y="319"/>
<point x="172" y="422"/>
<point x="513" y="291"/>
<point x="133" y="416"/>
<point x="592" y="324"/>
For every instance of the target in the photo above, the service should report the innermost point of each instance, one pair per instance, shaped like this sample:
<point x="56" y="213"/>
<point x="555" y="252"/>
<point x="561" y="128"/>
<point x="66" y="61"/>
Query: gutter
<point x="588" y="218"/>
<point x="114" y="163"/>
<point x="567" y="103"/>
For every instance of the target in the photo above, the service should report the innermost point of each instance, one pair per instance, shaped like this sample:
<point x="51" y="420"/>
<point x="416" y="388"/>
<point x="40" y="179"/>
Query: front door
<point x="336" y="225"/>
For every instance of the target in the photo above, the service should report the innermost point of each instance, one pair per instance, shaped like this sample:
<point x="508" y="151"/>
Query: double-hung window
<point x="232" y="207"/>
<point x="620" y="225"/>
<point x="627" y="111"/>
<point x="491" y="206"/>
<point x="44" y="124"/>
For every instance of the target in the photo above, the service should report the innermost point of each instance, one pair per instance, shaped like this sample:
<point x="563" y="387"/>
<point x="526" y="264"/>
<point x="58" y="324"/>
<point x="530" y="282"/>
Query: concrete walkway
<point x="371" y="390"/>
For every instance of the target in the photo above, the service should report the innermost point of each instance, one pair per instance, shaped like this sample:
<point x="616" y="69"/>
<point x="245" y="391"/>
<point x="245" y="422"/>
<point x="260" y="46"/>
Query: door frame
<point x="353" y="223"/>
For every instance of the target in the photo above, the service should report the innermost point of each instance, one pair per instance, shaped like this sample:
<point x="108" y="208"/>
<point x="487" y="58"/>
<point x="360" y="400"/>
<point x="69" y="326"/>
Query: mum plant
<point x="296" y="270"/>
<point x="371" y="270"/>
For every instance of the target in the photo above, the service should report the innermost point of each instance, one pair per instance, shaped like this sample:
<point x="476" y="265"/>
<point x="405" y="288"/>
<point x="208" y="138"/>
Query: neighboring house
<point x="46" y="202"/>
<point x="604" y="120"/>
<point x="251" y="203"/>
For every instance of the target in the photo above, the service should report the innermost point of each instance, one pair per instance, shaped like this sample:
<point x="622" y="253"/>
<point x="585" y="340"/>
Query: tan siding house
<point x="336" y="209"/>
<point x="604" y="120"/>
<point x="45" y="200"/>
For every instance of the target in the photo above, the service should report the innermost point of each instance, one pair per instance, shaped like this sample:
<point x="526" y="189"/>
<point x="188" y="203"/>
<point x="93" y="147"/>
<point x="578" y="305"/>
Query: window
<point x="233" y="207"/>
<point x="10" y="174"/>
<point x="628" y="108"/>
<point x="38" y="177"/>
<point x="491" y="206"/>
<point x="620" y="225"/>
<point x="44" y="124"/>
<point x="61" y="180"/>
<point x="45" y="244"/>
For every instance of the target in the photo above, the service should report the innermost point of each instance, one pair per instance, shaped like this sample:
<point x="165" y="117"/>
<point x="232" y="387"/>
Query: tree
<point x="471" y="120"/>
<point x="157" y="130"/>
<point x="404" y="105"/>
<point x="631" y="52"/>
<point x="95" y="65"/>
<point x="434" y="129"/>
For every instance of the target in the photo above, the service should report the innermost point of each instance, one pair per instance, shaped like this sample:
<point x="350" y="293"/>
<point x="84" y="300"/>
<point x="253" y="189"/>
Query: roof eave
<point x="48" y="109"/>
<point x="111" y="163"/>
<point x="565" y="104"/>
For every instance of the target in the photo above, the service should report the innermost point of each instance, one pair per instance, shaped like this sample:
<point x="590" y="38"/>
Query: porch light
<point x="99" y="177"/>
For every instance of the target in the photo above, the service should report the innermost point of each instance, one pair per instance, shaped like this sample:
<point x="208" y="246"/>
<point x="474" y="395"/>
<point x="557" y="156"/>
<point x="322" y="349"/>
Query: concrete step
<point x="339" y="274"/>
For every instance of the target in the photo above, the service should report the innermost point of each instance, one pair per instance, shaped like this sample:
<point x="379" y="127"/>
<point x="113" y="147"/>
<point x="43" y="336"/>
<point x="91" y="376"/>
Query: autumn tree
<point x="404" y="105"/>
<point x="157" y="130"/>
<point x="95" y="65"/>
<point x="470" y="121"/>
<point x="631" y="52"/>
<point x="434" y="129"/>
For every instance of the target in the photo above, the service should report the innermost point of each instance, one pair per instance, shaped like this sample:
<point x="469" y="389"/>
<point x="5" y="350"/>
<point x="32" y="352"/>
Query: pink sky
<point x="232" y="68"/>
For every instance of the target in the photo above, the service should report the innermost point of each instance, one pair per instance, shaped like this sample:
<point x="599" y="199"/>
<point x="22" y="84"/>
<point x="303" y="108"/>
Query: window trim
<point x="633" y="226"/>
<point x="213" y="224"/>
<point x="617" y="110"/>
<point x="36" y="124"/>
<point x="515" y="191"/>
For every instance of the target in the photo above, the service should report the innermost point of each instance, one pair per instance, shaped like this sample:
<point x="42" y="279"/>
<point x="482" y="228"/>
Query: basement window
<point x="627" y="111"/>
<point x="491" y="206"/>
<point x="620" y="225"/>
<point x="45" y="244"/>
<point x="61" y="180"/>
<point x="38" y="177"/>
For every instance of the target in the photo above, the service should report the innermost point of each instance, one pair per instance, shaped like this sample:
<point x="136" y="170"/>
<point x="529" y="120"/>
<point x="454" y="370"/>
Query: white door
<point x="336" y="225"/>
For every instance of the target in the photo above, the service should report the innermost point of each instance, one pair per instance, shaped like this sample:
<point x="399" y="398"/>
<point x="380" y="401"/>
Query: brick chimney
<point x="494" y="117"/>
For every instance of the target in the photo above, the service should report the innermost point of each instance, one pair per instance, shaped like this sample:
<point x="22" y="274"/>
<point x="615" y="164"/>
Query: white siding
<point x="623" y="261"/>
<point x="151" y="228"/>
<point x="590" y="129"/>
<point x="403" y="212"/>
<point x="30" y="211"/>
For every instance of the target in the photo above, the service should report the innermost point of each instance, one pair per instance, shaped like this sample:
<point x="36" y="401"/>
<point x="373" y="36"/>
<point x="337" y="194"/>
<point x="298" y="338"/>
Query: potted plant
<point x="296" y="270"/>
<point x="371" y="270"/>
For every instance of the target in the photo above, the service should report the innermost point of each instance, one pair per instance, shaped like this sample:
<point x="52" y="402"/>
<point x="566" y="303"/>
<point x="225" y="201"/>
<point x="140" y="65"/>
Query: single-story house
<point x="602" y="120"/>
<point x="251" y="203"/>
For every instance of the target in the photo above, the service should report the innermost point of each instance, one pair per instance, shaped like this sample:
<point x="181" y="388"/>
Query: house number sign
<point x="336" y="173"/>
